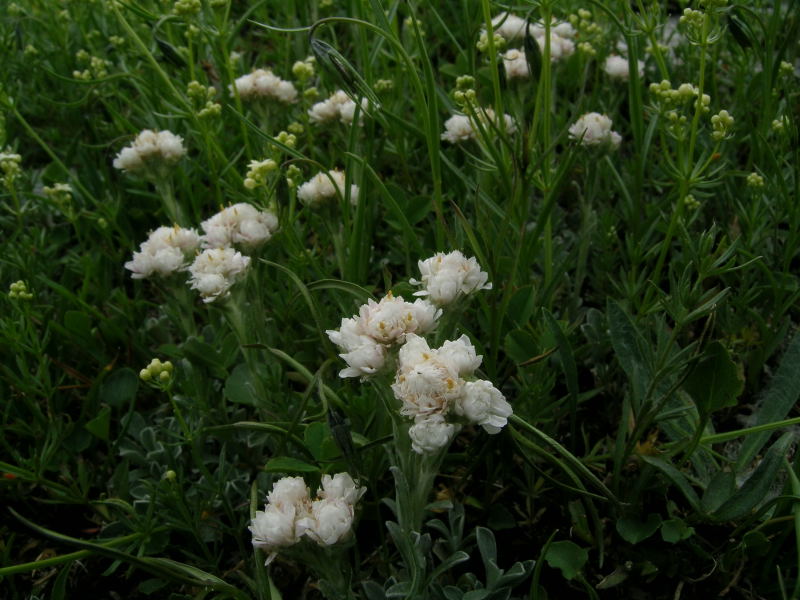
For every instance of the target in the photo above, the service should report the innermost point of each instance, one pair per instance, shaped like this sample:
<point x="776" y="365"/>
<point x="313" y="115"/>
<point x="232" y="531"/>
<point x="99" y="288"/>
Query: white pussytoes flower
<point x="338" y="106"/>
<point x="617" y="67"/>
<point x="429" y="434"/>
<point x="366" y="337"/>
<point x="150" y="150"/>
<point x="510" y="27"/>
<point x="434" y="383"/>
<point x="274" y="528"/>
<point x="340" y="486"/>
<point x="460" y="128"/>
<point x="164" y="252"/>
<point x="445" y="277"/>
<point x="427" y="382"/>
<point x="330" y="521"/>
<point x="594" y="129"/>
<point x="515" y="64"/>
<point x="215" y="270"/>
<point x="264" y="84"/>
<point x="325" y="186"/>
<point x="290" y="513"/>
<point x="483" y="404"/>
<point x="239" y="224"/>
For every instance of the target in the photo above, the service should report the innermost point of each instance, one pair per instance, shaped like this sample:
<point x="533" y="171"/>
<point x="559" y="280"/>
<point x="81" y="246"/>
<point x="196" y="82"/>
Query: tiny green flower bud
<point x="754" y="180"/>
<point x="145" y="375"/>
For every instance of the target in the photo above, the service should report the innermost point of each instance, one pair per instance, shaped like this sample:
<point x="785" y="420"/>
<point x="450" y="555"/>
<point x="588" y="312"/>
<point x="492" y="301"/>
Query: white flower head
<point x="326" y="186"/>
<point x="516" y="64"/>
<point x="242" y="224"/>
<point x="164" y="252"/>
<point x="617" y="67"/>
<point x="428" y="379"/>
<point x="483" y="404"/>
<point x="338" y="106"/>
<point x="366" y="337"/>
<point x="290" y="513"/>
<point x="150" y="151"/>
<point x="215" y="270"/>
<point x="445" y="277"/>
<point x="340" y="486"/>
<point x="430" y="434"/>
<point x="510" y="27"/>
<point x="594" y="129"/>
<point x="460" y="128"/>
<point x="264" y="84"/>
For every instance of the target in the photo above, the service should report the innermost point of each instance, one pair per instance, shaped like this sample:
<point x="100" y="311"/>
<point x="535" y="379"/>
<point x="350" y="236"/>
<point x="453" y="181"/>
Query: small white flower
<point x="338" y="106"/>
<point x="515" y="64"/>
<point x="324" y="187"/>
<point x="366" y="337"/>
<point x="430" y="434"/>
<point x="594" y="129"/>
<point x="164" y="252"/>
<point x="461" y="354"/>
<point x="460" y="128"/>
<point x="215" y="270"/>
<point x="483" y="404"/>
<point x="289" y="491"/>
<point x="457" y="129"/>
<point x="264" y="84"/>
<point x="617" y="67"/>
<point x="427" y="379"/>
<point x="242" y="224"/>
<point x="445" y="277"/>
<point x="510" y="27"/>
<point x="274" y="528"/>
<point x="150" y="150"/>
<point x="340" y="486"/>
<point x="330" y="521"/>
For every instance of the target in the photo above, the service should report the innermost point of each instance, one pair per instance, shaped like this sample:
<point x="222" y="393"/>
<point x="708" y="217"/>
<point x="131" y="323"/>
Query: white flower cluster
<point x="239" y="224"/>
<point x="616" y="67"/>
<point x="150" y="149"/>
<point x="165" y="251"/>
<point x="366" y="337"/>
<point x="445" y="277"/>
<point x="290" y="513"/>
<point x="511" y="27"/>
<point x="431" y="386"/>
<point x="325" y="186"/>
<point x="215" y="270"/>
<point x="264" y="84"/>
<point x="516" y="64"/>
<point x="460" y="128"/>
<point x="337" y="106"/>
<point x="594" y="129"/>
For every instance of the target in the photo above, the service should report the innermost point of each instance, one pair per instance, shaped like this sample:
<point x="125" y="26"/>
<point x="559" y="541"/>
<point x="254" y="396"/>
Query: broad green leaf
<point x="780" y="397"/>
<point x="755" y="489"/>
<point x="675" y="530"/>
<point x="634" y="530"/>
<point x="119" y="388"/>
<point x="718" y="490"/>
<point x="715" y="381"/>
<point x="287" y="464"/>
<point x="314" y="436"/>
<point x="567" y="557"/>
<point x="520" y="345"/>
<point x="239" y="386"/>
<point x="99" y="426"/>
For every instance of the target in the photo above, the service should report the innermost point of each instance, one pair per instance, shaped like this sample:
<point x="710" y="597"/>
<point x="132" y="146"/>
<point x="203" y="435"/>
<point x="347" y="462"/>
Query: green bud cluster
<point x="258" y="171"/>
<point x="19" y="291"/>
<point x="157" y="373"/>
<point x="304" y="70"/>
<point x="294" y="176"/>
<point x="186" y="8"/>
<point x="722" y="123"/>
<point x="483" y="43"/>
<point x="754" y="180"/>
<point x="384" y="85"/>
<point x="10" y="166"/>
